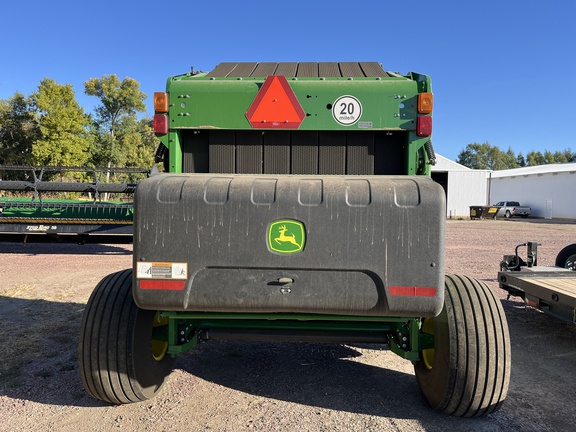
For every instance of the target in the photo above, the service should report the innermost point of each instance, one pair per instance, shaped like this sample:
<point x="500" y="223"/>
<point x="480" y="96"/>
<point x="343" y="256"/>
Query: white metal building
<point x="549" y="189"/>
<point x="464" y="187"/>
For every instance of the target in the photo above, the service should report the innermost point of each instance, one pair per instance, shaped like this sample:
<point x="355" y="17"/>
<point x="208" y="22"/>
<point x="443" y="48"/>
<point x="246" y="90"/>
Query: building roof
<point x="535" y="170"/>
<point x="445" y="164"/>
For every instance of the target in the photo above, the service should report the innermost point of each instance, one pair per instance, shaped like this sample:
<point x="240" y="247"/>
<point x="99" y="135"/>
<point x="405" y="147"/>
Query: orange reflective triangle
<point x="275" y="106"/>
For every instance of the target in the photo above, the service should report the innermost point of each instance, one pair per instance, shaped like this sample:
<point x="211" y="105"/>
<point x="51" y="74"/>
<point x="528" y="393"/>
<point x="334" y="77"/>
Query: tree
<point x="143" y="145"/>
<point x="18" y="130"/>
<point x="485" y="156"/>
<point x="63" y="140"/>
<point x="534" y="158"/>
<point x="120" y="101"/>
<point x="520" y="161"/>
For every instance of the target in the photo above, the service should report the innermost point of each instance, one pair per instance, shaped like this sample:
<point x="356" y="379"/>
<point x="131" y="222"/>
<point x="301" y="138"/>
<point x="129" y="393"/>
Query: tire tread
<point x="478" y="352"/>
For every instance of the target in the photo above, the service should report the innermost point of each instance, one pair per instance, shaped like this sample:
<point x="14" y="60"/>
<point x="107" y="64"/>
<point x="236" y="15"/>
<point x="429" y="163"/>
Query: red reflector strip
<point x="412" y="291"/>
<point x="162" y="285"/>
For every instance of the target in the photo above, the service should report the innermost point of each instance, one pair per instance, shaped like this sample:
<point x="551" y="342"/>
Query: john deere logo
<point x="286" y="236"/>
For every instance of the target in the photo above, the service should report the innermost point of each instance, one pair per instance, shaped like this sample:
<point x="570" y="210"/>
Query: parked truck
<point x="298" y="207"/>
<point x="549" y="289"/>
<point x="509" y="209"/>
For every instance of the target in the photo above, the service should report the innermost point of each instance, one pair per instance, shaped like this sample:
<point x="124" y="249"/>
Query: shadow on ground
<point x="64" y="249"/>
<point x="41" y="366"/>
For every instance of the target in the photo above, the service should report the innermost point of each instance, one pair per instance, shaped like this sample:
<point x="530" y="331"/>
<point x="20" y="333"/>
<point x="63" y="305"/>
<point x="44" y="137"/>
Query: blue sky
<point x="502" y="71"/>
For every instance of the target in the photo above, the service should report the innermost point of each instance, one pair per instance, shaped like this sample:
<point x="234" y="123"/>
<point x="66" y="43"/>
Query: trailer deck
<point x="549" y="289"/>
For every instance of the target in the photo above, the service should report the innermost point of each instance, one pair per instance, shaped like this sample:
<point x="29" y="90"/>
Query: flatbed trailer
<point x="549" y="289"/>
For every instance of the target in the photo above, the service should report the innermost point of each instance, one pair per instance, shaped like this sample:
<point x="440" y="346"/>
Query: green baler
<point x="298" y="207"/>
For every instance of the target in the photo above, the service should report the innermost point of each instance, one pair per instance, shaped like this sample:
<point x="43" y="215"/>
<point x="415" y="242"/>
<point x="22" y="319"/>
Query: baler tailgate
<point x="313" y="244"/>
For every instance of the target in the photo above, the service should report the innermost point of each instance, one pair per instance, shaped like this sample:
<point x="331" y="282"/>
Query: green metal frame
<point x="388" y="104"/>
<point x="404" y="335"/>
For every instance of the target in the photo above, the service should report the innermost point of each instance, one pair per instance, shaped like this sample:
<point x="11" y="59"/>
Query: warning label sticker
<point x="161" y="270"/>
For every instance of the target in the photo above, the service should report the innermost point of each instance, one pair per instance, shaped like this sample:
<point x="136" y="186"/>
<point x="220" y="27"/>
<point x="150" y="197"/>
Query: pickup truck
<point x="509" y="209"/>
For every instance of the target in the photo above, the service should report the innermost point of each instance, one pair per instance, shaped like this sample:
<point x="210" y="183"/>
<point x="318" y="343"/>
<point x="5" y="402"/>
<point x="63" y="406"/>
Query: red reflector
<point x="424" y="126"/>
<point x="412" y="291"/>
<point x="163" y="285"/>
<point x="275" y="106"/>
<point x="160" y="124"/>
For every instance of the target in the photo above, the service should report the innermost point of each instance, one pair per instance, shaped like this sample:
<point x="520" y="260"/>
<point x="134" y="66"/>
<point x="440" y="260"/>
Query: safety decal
<point x="161" y="270"/>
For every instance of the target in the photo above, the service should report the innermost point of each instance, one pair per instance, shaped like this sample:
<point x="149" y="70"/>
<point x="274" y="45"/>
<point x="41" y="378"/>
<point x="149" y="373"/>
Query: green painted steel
<point x="403" y="334"/>
<point x="379" y="102"/>
<point x="202" y="103"/>
<point x="64" y="210"/>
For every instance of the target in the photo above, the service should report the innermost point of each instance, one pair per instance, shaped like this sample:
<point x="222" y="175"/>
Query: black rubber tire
<point x="470" y="371"/>
<point x="508" y="214"/>
<point x="566" y="258"/>
<point x="115" y="347"/>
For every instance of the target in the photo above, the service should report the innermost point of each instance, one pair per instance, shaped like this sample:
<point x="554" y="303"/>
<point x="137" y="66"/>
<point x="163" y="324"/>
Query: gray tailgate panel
<point x="373" y="245"/>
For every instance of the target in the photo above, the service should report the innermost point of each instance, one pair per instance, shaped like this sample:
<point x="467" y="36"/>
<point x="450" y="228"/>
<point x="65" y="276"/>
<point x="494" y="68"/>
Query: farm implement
<point x="38" y="210"/>
<point x="298" y="206"/>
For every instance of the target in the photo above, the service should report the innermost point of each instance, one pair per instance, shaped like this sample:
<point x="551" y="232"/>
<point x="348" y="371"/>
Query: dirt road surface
<point x="244" y="386"/>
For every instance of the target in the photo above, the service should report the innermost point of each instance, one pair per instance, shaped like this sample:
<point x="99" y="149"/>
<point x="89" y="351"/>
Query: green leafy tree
<point x="520" y="160"/>
<point x="534" y="158"/>
<point x="63" y="140"/>
<point x="120" y="101"/>
<point x="137" y="144"/>
<point x="570" y="156"/>
<point x="18" y="130"/>
<point x="142" y="149"/>
<point x="561" y="156"/>
<point x="486" y="156"/>
<point x="510" y="160"/>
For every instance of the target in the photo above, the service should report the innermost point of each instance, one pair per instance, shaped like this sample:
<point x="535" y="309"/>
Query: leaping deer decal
<point x="285" y="238"/>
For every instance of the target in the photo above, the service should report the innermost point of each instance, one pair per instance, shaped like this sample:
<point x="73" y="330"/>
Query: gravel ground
<point x="231" y="386"/>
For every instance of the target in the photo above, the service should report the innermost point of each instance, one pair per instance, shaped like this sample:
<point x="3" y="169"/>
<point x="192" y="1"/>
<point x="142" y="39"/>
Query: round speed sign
<point x="347" y="110"/>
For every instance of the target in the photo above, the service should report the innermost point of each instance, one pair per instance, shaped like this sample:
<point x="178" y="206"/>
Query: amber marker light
<point x="425" y="103"/>
<point x="161" y="102"/>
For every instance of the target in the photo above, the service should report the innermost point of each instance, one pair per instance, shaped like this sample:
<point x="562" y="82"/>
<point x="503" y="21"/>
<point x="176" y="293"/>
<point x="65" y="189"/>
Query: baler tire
<point x="468" y="372"/>
<point x="566" y="258"/>
<point x="116" y="359"/>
